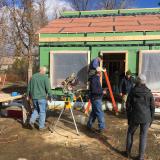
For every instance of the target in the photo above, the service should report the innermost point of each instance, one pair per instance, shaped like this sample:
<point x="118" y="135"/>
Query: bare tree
<point x="23" y="32"/>
<point x="6" y="46"/>
<point x="108" y="4"/>
<point x="41" y="13"/>
<point x="2" y="33"/>
<point x="115" y="4"/>
<point x="26" y="19"/>
<point x="126" y="4"/>
<point x="80" y="5"/>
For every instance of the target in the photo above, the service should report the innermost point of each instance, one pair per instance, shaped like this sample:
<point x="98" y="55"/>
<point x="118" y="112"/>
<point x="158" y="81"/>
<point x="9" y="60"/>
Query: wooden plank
<point x="2" y="80"/>
<point x="101" y="39"/>
<point x="6" y="98"/>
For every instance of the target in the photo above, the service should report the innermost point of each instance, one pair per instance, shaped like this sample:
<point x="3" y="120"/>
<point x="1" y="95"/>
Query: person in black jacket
<point x="125" y="87"/>
<point x="96" y="94"/>
<point x="140" y="112"/>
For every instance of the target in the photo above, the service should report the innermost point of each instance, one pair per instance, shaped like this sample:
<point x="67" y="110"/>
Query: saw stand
<point x="66" y="106"/>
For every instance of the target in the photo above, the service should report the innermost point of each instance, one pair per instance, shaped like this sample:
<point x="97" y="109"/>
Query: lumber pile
<point x="7" y="97"/>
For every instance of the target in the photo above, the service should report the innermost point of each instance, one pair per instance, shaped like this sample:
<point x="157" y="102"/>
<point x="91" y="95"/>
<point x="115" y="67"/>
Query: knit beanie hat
<point x="142" y="78"/>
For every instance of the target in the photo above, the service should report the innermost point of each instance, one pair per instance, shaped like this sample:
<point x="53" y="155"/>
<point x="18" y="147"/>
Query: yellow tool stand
<point x="67" y="105"/>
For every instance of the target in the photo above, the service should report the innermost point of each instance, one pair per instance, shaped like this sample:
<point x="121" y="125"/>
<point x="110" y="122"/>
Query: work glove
<point x="49" y="98"/>
<point x="150" y="124"/>
<point x="27" y="98"/>
<point x="104" y="70"/>
<point x="105" y="91"/>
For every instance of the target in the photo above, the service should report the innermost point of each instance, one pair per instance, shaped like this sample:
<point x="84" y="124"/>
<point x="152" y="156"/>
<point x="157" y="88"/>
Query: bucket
<point x="13" y="94"/>
<point x="82" y="119"/>
<point x="12" y="113"/>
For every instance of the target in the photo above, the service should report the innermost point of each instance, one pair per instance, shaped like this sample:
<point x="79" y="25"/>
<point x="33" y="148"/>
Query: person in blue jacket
<point x="94" y="65"/>
<point x="96" y="94"/>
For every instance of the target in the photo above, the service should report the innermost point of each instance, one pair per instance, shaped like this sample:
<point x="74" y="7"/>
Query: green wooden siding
<point x="110" y="12"/>
<point x="132" y="53"/>
<point x="139" y="11"/>
<point x="44" y="53"/>
<point x="132" y="47"/>
<point x="99" y="13"/>
<point x="70" y="13"/>
<point x="61" y="35"/>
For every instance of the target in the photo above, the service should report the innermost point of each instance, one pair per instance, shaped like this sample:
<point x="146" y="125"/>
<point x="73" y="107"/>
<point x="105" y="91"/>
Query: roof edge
<point x="95" y="13"/>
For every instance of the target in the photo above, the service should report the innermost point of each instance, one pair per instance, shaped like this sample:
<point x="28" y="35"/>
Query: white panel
<point x="64" y="63"/>
<point x="149" y="66"/>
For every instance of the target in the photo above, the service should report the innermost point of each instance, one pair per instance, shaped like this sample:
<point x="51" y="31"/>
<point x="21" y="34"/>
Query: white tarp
<point x="150" y="67"/>
<point x="64" y="64"/>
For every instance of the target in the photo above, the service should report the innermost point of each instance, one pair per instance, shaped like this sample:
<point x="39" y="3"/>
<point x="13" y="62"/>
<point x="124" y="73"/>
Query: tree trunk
<point x="30" y="65"/>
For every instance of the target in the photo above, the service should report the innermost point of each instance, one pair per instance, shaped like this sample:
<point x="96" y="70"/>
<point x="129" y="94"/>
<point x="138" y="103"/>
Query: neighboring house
<point x="6" y="62"/>
<point x="128" y="39"/>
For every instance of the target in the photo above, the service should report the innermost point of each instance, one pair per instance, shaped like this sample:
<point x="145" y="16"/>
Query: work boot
<point x="89" y="129"/>
<point x="31" y="125"/>
<point x="140" y="158"/>
<point x="43" y="129"/>
<point x="126" y="154"/>
<point x="101" y="131"/>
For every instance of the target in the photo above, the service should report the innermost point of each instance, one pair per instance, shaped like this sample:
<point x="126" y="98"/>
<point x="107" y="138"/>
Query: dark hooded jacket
<point x="126" y="85"/>
<point x="140" y="105"/>
<point x="96" y="91"/>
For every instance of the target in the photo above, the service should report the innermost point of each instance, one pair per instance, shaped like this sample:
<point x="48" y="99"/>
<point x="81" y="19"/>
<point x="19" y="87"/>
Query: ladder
<point x="111" y="95"/>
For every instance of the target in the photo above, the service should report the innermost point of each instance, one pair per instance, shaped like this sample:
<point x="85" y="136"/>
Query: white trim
<point x="120" y="52"/>
<point x="101" y="38"/>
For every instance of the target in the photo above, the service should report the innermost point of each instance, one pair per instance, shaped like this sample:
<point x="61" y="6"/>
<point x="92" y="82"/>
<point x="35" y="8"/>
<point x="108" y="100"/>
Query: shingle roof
<point x="104" y="24"/>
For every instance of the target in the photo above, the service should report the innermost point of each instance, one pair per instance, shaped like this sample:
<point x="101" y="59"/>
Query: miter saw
<point x="67" y="86"/>
<point x="69" y="83"/>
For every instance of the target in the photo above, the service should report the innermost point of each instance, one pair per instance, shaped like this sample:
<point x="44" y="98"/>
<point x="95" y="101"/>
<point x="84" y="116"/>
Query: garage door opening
<point x="115" y="63"/>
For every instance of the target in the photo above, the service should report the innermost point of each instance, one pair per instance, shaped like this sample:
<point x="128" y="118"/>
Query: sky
<point x="138" y="3"/>
<point x="59" y="5"/>
<point x="53" y="5"/>
<point x="146" y="3"/>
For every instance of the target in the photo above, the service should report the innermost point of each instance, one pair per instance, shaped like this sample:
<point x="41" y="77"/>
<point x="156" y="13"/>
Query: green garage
<point x="128" y="39"/>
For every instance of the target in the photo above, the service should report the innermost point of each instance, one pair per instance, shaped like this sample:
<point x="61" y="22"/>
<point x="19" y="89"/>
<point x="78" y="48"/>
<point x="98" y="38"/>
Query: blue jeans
<point x="143" y="138"/>
<point x="98" y="113"/>
<point x="39" y="111"/>
<point x="115" y="88"/>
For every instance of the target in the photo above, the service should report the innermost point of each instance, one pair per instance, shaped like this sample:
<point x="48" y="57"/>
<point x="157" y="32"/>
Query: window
<point x="149" y="63"/>
<point x="64" y="63"/>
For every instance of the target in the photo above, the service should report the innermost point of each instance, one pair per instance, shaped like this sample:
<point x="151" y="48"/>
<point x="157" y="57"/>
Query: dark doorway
<point x="115" y="65"/>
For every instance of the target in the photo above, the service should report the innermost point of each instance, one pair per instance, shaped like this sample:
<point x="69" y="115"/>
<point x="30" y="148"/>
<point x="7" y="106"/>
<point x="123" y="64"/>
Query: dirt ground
<point x="18" y="143"/>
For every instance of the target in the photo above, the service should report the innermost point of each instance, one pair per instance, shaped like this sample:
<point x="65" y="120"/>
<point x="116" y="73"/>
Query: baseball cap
<point x="100" y="55"/>
<point x="128" y="72"/>
<point x="142" y="78"/>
